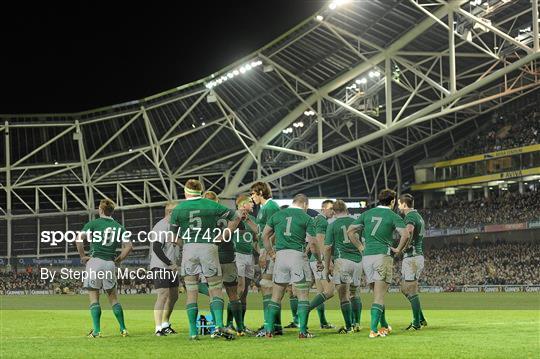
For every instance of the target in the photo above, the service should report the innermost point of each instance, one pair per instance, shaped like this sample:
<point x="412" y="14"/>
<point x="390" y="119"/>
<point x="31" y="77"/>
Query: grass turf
<point x="458" y="327"/>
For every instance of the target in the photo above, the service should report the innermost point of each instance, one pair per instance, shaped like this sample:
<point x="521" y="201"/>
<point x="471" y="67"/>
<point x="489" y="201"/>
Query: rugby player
<point x="292" y="227"/>
<point x="261" y="194"/>
<point x="325" y="288"/>
<point x="413" y="259"/>
<point x="376" y="227"/>
<point x="195" y="222"/>
<point x="347" y="255"/>
<point x="103" y="233"/>
<point x="164" y="259"/>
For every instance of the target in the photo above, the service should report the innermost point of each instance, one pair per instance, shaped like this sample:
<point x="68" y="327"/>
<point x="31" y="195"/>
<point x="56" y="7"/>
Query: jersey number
<point x="379" y="221"/>
<point x="288" y="228"/>
<point x="345" y="236"/>
<point x="108" y="237"/>
<point x="194" y="222"/>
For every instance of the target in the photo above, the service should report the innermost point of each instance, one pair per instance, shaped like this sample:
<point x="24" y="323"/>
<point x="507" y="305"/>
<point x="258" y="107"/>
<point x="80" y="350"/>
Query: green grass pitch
<point x="503" y="325"/>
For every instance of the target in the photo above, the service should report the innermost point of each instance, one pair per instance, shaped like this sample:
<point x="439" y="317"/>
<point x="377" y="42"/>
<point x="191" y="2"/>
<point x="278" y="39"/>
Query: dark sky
<point x="79" y="56"/>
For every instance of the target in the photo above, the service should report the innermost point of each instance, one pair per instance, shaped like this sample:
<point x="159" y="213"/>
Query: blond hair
<point x="107" y="206"/>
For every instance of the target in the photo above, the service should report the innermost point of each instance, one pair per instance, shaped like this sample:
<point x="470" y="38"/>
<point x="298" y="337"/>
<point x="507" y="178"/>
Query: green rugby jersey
<point x="225" y="248"/>
<point x="104" y="245"/>
<point x="336" y="236"/>
<point x="417" y="243"/>
<point x="378" y="226"/>
<point x="198" y="219"/>
<point x="265" y="213"/>
<point x="243" y="240"/>
<point x="321" y="223"/>
<point x="291" y="225"/>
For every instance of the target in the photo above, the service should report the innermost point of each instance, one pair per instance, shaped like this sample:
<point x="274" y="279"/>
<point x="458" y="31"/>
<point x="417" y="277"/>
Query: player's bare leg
<point x="117" y="310"/>
<point x="159" y="309"/>
<point x="95" y="312"/>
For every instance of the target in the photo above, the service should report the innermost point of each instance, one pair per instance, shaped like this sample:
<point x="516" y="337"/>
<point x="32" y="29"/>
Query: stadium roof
<point x="344" y="103"/>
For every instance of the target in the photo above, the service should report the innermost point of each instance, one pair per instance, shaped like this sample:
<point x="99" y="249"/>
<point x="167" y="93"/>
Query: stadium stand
<point x="506" y="208"/>
<point x="508" y="130"/>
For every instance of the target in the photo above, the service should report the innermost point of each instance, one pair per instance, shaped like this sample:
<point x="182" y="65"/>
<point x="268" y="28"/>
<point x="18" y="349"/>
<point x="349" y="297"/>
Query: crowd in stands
<point x="508" y="131"/>
<point x="482" y="264"/>
<point x="30" y="282"/>
<point x="485" y="263"/>
<point x="507" y="208"/>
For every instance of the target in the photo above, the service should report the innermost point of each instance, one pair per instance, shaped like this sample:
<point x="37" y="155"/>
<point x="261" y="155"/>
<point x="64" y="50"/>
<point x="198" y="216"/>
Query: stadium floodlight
<point x="361" y="81"/>
<point x="334" y="4"/>
<point x="235" y="72"/>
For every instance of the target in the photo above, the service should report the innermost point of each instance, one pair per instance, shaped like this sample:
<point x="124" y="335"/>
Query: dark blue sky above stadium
<point x="78" y="56"/>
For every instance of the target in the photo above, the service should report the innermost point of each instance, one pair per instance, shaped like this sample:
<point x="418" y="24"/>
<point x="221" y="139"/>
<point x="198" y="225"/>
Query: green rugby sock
<point x="203" y="289"/>
<point x="356" y="306"/>
<point x="95" y="312"/>
<point x="272" y="312"/>
<point x="376" y="312"/>
<point x="192" y="310"/>
<point x="277" y="324"/>
<point x="119" y="314"/>
<point x="347" y="313"/>
<point x="229" y="315"/>
<point x="294" y="308"/>
<point x="236" y="310"/>
<point x="319" y="299"/>
<point x="415" y="306"/>
<point x="303" y="313"/>
<point x="267" y="298"/>
<point x="322" y="316"/>
<point x="216" y="305"/>
<point x="244" y="309"/>
<point x="384" y="323"/>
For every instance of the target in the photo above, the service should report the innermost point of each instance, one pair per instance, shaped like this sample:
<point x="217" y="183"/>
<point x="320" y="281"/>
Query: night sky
<point x="79" y="56"/>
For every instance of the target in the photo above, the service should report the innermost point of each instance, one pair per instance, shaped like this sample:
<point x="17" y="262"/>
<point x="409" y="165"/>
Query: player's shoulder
<point x="161" y="224"/>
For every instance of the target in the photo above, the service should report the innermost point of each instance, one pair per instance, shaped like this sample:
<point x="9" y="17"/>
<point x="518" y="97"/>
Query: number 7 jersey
<point x="378" y="226"/>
